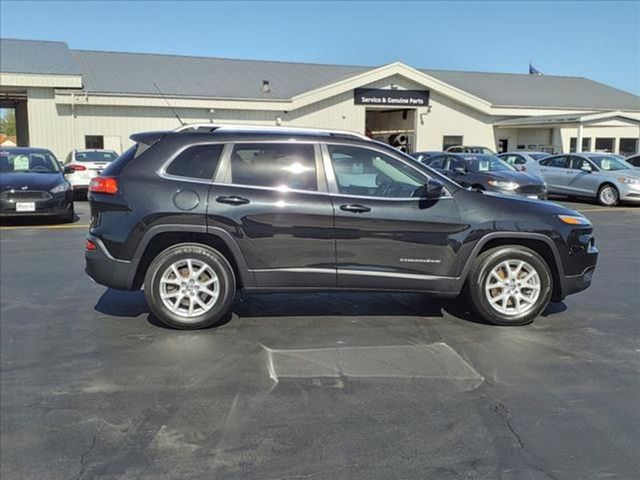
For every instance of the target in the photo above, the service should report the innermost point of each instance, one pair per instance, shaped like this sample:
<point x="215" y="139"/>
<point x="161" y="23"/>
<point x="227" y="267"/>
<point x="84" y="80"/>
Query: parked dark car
<point x="197" y="213"/>
<point x="633" y="160"/>
<point x="32" y="183"/>
<point x="490" y="173"/>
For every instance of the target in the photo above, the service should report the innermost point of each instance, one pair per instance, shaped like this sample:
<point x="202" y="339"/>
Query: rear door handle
<point x="354" y="208"/>
<point x="233" y="200"/>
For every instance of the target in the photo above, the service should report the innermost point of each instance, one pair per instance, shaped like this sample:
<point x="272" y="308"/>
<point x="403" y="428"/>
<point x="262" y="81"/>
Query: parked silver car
<point x="524" y="161"/>
<point x="593" y="175"/>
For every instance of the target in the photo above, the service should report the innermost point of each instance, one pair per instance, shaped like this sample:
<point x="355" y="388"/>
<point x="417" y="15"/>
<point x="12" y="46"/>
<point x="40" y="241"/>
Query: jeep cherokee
<point x="193" y="215"/>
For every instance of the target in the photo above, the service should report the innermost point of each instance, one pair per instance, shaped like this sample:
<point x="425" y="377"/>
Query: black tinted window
<point x="196" y="162"/>
<point x="278" y="165"/>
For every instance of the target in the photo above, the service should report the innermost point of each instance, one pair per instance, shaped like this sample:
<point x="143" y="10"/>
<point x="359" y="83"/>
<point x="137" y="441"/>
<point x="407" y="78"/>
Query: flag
<point x="533" y="70"/>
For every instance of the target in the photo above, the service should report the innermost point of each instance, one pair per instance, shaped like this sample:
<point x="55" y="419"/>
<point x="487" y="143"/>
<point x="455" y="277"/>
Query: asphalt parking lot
<point x="314" y="386"/>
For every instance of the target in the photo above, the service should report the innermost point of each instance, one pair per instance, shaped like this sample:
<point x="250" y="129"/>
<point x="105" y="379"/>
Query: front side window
<point x="276" y="165"/>
<point x="28" y="162"/>
<point x="199" y="161"/>
<point x="579" y="163"/>
<point x="364" y="172"/>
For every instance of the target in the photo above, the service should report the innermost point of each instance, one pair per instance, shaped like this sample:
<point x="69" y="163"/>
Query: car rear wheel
<point x="509" y="285"/>
<point x="608" y="195"/>
<point x="189" y="286"/>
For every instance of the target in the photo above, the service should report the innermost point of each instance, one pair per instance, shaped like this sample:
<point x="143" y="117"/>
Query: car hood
<point x="33" y="181"/>
<point x="629" y="172"/>
<point x="521" y="178"/>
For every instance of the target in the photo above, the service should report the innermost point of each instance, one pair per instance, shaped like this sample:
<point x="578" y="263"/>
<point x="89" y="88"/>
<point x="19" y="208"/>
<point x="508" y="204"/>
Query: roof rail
<point x="268" y="129"/>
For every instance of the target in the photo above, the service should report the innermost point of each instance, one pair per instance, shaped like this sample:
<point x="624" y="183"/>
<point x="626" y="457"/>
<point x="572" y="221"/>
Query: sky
<point x="598" y="40"/>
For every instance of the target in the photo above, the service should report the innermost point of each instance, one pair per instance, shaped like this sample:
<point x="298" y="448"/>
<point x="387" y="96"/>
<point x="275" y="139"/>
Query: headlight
<point x="63" y="187"/>
<point x="575" y="220"/>
<point x="630" y="181"/>
<point x="503" y="185"/>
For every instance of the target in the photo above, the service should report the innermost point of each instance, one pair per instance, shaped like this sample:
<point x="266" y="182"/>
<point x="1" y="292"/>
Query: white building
<point x="66" y="99"/>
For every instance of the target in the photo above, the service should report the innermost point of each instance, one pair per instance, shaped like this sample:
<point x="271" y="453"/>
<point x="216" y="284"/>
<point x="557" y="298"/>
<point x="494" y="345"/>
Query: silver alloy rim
<point x="189" y="288"/>
<point x="512" y="287"/>
<point x="609" y="195"/>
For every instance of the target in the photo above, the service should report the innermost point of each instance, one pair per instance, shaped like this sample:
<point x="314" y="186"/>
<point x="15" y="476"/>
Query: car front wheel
<point x="189" y="286"/>
<point x="509" y="285"/>
<point x="608" y="195"/>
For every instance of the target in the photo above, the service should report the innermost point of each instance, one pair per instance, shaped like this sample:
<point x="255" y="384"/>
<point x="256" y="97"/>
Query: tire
<point x="486" y="270"/>
<point x="185" y="293"/>
<point x="608" y="195"/>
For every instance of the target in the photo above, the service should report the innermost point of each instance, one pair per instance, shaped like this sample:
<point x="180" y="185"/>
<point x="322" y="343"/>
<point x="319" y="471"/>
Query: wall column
<point x="579" y="139"/>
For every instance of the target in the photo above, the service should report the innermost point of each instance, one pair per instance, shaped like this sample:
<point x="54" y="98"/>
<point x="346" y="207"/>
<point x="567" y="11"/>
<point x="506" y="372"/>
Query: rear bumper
<point x="107" y="270"/>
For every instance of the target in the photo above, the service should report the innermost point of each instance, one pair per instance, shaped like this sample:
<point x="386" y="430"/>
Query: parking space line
<point x="45" y="227"/>
<point x="609" y="209"/>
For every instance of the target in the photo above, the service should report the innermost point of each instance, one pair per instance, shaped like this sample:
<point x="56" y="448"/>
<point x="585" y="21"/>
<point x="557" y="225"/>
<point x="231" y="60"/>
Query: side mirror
<point x="67" y="169"/>
<point x="586" y="168"/>
<point x="432" y="190"/>
<point x="460" y="170"/>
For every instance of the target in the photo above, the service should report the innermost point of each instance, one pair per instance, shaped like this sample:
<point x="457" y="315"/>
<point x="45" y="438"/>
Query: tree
<point x="8" y="122"/>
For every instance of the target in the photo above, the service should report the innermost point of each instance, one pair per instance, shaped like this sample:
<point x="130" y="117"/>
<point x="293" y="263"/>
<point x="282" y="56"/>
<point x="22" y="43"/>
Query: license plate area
<point x="25" y="206"/>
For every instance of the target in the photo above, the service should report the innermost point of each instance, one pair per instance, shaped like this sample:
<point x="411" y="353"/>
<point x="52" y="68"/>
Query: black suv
<point x="197" y="213"/>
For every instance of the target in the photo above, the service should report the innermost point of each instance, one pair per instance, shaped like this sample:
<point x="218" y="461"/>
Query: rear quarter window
<point x="199" y="161"/>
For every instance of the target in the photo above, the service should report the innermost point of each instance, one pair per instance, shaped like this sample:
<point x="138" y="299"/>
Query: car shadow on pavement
<point x="118" y="303"/>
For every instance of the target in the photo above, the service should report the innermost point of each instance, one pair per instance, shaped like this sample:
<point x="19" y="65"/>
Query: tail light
<point x="105" y="185"/>
<point x="76" y="167"/>
<point x="89" y="245"/>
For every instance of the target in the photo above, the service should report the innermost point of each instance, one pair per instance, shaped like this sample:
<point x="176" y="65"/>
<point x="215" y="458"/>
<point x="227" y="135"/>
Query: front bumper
<point x="629" y="193"/>
<point x="59" y="204"/>
<point x="576" y="283"/>
<point x="106" y="270"/>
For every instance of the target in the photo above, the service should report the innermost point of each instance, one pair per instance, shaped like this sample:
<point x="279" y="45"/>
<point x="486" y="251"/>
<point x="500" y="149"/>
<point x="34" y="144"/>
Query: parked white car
<point x="87" y="164"/>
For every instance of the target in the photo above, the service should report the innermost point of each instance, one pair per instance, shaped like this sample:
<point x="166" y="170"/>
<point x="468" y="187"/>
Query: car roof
<point x="513" y="152"/>
<point x="25" y="149"/>
<point x="84" y="150"/>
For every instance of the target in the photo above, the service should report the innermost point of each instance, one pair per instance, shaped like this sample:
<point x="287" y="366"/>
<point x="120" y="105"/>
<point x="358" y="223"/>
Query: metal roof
<point x="523" y="90"/>
<point x="36" y="57"/>
<point x="135" y="73"/>
<point x="205" y="77"/>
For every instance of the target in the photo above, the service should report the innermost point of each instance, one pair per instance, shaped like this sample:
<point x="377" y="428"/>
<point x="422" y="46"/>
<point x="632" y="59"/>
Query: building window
<point x="451" y="141"/>
<point x="586" y="144"/>
<point x="605" y="145"/>
<point x="628" y="146"/>
<point x="93" y="141"/>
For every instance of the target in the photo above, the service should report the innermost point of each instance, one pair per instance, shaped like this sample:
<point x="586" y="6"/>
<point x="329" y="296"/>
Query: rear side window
<point x="274" y="165"/>
<point x="196" y="162"/>
<point x="557" y="162"/>
<point x="436" y="162"/>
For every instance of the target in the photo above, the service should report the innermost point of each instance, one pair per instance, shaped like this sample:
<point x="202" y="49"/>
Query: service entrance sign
<point x="379" y="96"/>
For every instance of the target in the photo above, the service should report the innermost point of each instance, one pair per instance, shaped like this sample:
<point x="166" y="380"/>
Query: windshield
<point x="95" y="156"/>
<point x="28" y="162"/>
<point x="609" y="162"/>
<point x="487" y="163"/>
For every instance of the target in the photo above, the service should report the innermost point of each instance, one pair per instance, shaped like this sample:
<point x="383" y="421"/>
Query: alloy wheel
<point x="189" y="288"/>
<point x="512" y="287"/>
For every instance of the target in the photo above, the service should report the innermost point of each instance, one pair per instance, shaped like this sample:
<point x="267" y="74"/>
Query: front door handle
<point x="354" y="208"/>
<point x="233" y="200"/>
